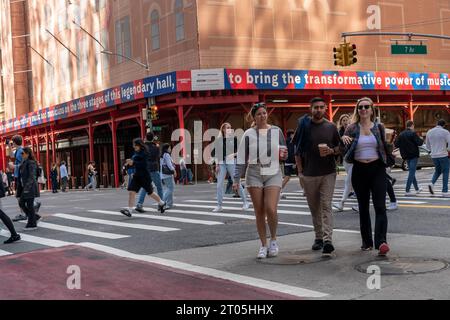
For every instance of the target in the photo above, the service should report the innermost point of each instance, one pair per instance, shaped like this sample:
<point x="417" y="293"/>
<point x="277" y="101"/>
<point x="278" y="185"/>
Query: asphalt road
<point x="93" y="217"/>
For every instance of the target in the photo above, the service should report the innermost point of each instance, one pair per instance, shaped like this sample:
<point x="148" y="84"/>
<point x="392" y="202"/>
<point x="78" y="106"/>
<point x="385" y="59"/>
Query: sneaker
<point x="383" y="250"/>
<point x="356" y="209"/>
<point x="218" y="209"/>
<point x="420" y="190"/>
<point x="352" y="195"/>
<point x="366" y="248"/>
<point x="30" y="227"/>
<point x="139" y="209"/>
<point x="282" y="196"/>
<point x="446" y="194"/>
<point x="246" y="207"/>
<point x="393" y="206"/>
<point x="318" y="245"/>
<point x="126" y="212"/>
<point x="328" y="249"/>
<point x="431" y="188"/>
<point x="273" y="249"/>
<point x="161" y="207"/>
<point x="338" y="206"/>
<point x="12" y="239"/>
<point x="262" y="254"/>
<point x="20" y="217"/>
<point x="411" y="194"/>
<point x="394" y="181"/>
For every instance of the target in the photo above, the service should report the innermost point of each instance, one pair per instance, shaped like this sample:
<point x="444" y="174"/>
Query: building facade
<point x="57" y="54"/>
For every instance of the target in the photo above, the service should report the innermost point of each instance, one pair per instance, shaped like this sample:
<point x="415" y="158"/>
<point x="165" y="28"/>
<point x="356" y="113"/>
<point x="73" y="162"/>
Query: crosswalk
<point x="59" y="229"/>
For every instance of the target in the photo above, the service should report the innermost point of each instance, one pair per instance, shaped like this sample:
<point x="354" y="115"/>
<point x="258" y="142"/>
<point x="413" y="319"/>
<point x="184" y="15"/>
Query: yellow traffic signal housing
<point x="351" y="54"/>
<point x="339" y="56"/>
<point x="345" y="55"/>
<point x="154" y="113"/>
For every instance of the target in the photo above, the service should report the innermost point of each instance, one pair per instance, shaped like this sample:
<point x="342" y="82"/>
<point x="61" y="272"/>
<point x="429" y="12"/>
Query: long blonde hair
<point x="357" y="118"/>
<point x="221" y="133"/>
<point x="342" y="117"/>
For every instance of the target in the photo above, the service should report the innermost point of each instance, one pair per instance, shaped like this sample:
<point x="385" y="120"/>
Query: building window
<point x="63" y="16"/>
<point x="99" y="4"/>
<point x="123" y="38"/>
<point x="83" y="57"/>
<point x="179" y="20"/>
<point x="155" y="30"/>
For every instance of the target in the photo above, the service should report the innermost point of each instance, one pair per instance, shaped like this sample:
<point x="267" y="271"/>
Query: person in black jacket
<point x="153" y="167"/>
<point x="141" y="178"/>
<point x="289" y="164"/>
<point x="409" y="142"/>
<point x="27" y="189"/>
<point x="7" y="221"/>
<point x="54" y="177"/>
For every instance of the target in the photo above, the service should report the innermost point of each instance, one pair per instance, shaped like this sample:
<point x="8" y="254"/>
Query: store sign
<point x="145" y="88"/>
<point x="237" y="79"/>
<point x="208" y="79"/>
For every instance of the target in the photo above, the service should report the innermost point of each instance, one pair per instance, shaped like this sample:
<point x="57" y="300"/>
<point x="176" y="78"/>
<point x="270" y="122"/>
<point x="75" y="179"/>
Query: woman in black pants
<point x="27" y="189"/>
<point x="367" y="152"/>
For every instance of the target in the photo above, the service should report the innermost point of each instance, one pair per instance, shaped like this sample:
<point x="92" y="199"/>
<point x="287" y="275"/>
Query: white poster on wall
<point x="208" y="79"/>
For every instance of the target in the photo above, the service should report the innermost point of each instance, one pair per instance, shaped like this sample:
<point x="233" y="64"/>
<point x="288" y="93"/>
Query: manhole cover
<point x="405" y="266"/>
<point x="295" y="257"/>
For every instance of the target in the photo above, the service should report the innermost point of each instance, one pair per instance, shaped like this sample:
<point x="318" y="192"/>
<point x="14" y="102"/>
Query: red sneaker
<point x="383" y="250"/>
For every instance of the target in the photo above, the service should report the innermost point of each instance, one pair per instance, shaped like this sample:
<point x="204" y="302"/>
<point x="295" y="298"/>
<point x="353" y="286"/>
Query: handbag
<point x="390" y="158"/>
<point x="166" y="170"/>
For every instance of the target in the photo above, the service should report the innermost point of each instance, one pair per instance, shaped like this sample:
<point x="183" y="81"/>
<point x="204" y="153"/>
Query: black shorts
<point x="139" y="182"/>
<point x="289" y="171"/>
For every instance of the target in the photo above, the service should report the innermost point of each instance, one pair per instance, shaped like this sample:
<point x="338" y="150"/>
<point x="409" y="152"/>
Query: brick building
<point x="51" y="67"/>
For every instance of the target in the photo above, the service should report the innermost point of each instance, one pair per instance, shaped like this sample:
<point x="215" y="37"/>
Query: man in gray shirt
<point x="438" y="141"/>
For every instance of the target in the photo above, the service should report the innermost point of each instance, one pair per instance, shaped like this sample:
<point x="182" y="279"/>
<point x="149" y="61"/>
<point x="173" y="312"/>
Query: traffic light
<point x="154" y="113"/>
<point x="339" y="57"/>
<point x="345" y="55"/>
<point x="351" y="54"/>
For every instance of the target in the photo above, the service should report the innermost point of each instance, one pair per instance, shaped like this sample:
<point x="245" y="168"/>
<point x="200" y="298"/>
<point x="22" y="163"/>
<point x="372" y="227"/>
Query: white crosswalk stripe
<point x="297" y="213"/>
<point x="38" y="240"/>
<point x="163" y="218"/>
<point x="115" y="223"/>
<point x="97" y="234"/>
<point x="4" y="253"/>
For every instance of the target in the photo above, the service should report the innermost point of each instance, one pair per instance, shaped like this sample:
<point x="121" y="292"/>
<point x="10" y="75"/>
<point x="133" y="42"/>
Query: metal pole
<point x="406" y="34"/>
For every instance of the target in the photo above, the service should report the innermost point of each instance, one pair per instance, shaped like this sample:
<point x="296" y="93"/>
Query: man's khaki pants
<point x="319" y="193"/>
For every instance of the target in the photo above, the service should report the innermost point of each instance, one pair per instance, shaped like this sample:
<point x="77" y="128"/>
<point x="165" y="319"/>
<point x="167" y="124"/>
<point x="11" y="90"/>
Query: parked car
<point x="424" y="159"/>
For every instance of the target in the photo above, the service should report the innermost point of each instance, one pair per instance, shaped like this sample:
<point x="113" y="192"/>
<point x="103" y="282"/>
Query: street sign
<point x="408" y="49"/>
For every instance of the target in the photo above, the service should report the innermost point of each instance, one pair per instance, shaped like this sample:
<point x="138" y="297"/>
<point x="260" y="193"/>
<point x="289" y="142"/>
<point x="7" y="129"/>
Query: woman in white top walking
<point x="261" y="148"/>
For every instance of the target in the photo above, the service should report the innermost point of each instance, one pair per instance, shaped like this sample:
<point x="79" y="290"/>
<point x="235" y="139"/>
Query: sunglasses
<point x="366" y="107"/>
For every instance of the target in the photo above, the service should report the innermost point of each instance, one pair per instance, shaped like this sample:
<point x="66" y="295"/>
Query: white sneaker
<point x="262" y="254"/>
<point x="431" y="188"/>
<point x="246" y="207"/>
<point x="338" y="206"/>
<point x="420" y="190"/>
<point x="273" y="249"/>
<point x="446" y="194"/>
<point x="411" y="194"/>
<point x="282" y="196"/>
<point x="393" y="206"/>
<point x="218" y="209"/>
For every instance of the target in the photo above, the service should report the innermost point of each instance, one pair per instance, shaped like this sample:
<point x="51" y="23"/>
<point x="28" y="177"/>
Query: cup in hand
<point x="323" y="149"/>
<point x="283" y="152"/>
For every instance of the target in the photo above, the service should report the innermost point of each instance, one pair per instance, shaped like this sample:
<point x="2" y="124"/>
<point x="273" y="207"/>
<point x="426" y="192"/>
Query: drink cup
<point x="283" y="150"/>
<point x="323" y="147"/>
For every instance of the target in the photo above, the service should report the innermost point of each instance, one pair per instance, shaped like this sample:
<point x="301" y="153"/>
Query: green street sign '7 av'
<point x="408" y="49"/>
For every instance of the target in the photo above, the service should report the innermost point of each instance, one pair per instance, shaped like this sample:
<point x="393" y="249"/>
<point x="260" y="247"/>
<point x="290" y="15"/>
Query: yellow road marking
<point x="423" y="206"/>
